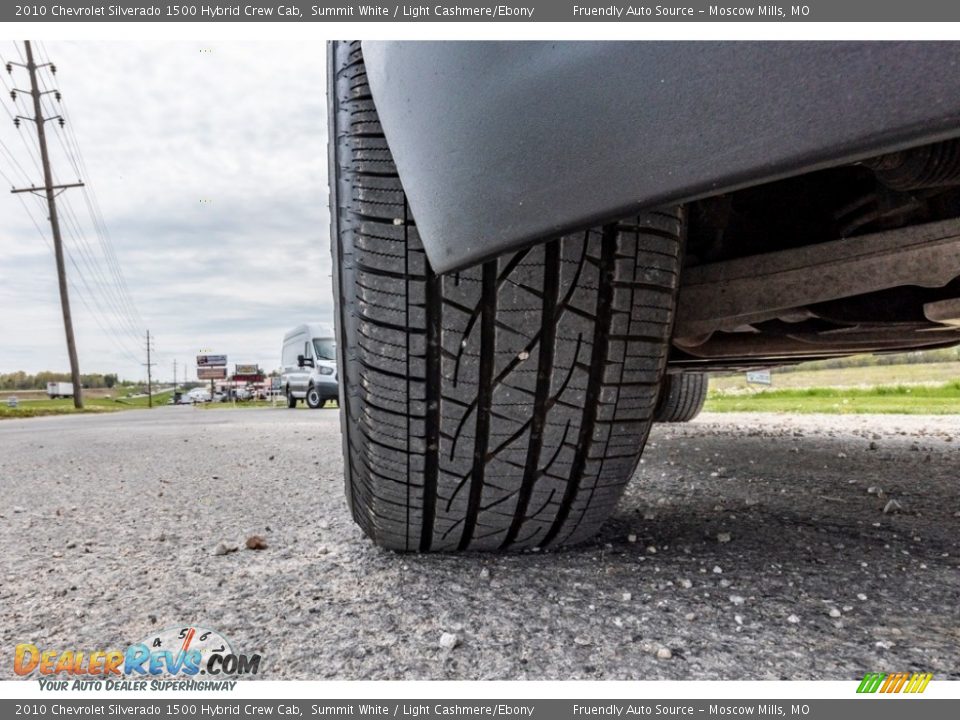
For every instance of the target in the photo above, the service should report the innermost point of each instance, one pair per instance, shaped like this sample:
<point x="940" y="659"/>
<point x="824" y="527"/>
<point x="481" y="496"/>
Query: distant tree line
<point x="20" y="380"/>
<point x="908" y="358"/>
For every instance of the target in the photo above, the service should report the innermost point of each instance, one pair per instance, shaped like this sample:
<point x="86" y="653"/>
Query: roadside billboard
<point x="253" y="377"/>
<point x="211" y="360"/>
<point x="211" y="373"/>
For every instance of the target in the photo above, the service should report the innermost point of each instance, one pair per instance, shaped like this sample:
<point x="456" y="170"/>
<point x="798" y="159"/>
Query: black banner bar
<point x="875" y="708"/>
<point x="473" y="11"/>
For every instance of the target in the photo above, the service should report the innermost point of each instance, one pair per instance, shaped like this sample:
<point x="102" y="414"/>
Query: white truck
<point x="309" y="365"/>
<point x="59" y="389"/>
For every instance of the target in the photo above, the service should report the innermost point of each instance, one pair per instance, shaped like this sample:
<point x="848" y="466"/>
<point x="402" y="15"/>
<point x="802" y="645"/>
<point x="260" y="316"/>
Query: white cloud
<point x="209" y="163"/>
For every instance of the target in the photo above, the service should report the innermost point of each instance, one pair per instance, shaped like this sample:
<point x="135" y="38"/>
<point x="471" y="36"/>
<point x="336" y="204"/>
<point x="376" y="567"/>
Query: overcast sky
<point x="209" y="164"/>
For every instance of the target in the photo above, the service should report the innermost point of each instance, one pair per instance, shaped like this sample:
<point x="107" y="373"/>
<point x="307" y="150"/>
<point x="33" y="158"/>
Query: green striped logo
<point x="914" y="683"/>
<point x="871" y="682"/>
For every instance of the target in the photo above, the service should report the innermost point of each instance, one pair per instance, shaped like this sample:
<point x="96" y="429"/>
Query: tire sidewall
<point x="314" y="400"/>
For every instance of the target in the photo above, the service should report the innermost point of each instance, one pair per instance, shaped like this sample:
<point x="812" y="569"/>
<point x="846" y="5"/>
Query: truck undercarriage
<point x="854" y="259"/>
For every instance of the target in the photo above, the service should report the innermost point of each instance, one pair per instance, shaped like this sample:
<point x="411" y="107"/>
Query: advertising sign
<point x="247" y="370"/>
<point x="211" y="360"/>
<point x="254" y="378"/>
<point x="211" y="373"/>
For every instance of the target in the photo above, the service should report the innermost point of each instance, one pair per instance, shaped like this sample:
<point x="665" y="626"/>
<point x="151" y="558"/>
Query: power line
<point x="128" y="311"/>
<point x="32" y="150"/>
<point x="13" y="158"/>
<point x="91" y="309"/>
<point x="120" y="321"/>
<point x="50" y="105"/>
<point x="109" y="293"/>
<point x="96" y="215"/>
<point x="94" y="309"/>
<point x="7" y="177"/>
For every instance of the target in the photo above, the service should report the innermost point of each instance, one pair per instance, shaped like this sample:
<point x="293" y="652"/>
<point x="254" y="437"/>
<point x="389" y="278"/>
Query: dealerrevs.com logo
<point x="163" y="658"/>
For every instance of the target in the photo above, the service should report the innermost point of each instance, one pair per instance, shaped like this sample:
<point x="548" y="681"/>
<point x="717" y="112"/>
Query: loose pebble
<point x="256" y="542"/>
<point x="892" y="507"/>
<point x="225" y="548"/>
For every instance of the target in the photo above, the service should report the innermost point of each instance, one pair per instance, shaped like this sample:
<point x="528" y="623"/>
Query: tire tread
<point x="682" y="396"/>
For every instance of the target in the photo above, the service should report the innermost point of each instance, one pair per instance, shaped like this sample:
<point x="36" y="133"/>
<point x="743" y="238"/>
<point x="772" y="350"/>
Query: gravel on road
<point x="746" y="547"/>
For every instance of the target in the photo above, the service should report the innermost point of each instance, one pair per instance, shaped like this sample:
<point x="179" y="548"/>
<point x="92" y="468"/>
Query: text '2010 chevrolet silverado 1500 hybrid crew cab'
<point x="539" y="247"/>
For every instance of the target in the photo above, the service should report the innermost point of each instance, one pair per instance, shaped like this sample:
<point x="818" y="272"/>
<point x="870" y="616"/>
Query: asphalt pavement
<point x="747" y="547"/>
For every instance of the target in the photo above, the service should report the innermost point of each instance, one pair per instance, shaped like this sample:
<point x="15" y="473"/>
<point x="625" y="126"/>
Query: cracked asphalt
<point x="746" y="547"/>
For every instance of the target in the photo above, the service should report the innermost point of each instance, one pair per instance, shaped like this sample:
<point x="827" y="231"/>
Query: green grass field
<point x="804" y="377"/>
<point x="36" y="407"/>
<point x="93" y="402"/>
<point x="918" y="399"/>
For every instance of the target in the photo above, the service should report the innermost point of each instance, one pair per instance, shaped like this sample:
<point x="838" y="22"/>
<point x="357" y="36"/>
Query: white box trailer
<point x="59" y="389"/>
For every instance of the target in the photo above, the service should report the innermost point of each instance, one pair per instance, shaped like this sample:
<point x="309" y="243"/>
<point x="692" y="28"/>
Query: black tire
<point x="500" y="407"/>
<point x="291" y="400"/>
<point x="314" y="400"/>
<point x="681" y="397"/>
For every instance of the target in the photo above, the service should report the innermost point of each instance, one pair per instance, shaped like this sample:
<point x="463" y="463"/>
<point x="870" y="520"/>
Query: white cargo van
<point x="309" y="365"/>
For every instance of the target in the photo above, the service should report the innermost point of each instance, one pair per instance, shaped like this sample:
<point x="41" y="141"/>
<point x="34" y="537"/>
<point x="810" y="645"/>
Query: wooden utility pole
<point x="149" y="374"/>
<point x="48" y="190"/>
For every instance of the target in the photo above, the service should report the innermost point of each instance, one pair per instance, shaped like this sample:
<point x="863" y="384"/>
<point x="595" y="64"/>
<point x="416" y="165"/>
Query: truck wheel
<point x="504" y="406"/>
<point x="291" y="400"/>
<point x="681" y="397"/>
<point x="314" y="400"/>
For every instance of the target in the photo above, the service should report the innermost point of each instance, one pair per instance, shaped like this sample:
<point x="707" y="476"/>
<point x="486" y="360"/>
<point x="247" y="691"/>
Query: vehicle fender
<point x="500" y="145"/>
